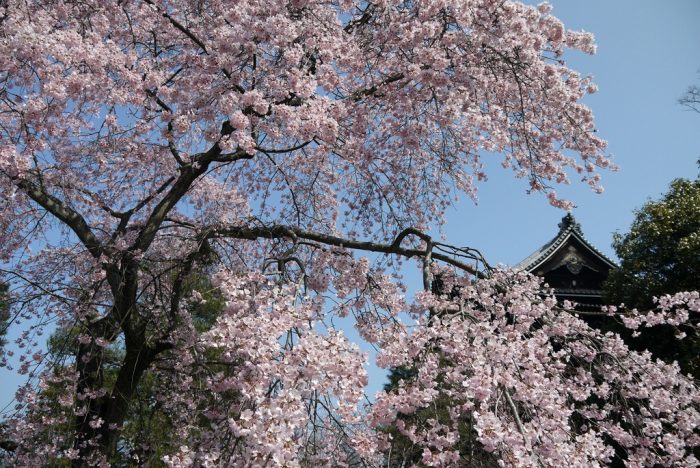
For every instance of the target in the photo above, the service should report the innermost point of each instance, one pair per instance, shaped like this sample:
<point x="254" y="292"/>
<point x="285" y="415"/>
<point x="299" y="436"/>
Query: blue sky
<point x="648" y="53"/>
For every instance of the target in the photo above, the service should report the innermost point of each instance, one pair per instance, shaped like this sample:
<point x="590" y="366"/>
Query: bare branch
<point x="691" y="98"/>
<point x="516" y="416"/>
<point x="127" y="215"/>
<point x="277" y="232"/>
<point x="285" y="150"/>
<point x="62" y="211"/>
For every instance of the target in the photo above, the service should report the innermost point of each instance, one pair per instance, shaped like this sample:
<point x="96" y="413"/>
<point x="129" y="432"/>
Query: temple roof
<point x="569" y="230"/>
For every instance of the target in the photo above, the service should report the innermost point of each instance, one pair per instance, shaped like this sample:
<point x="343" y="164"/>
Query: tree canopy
<point x="296" y="153"/>
<point x="661" y="252"/>
<point x="661" y="255"/>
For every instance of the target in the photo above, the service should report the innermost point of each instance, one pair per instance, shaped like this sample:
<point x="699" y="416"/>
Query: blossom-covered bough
<point x="159" y="155"/>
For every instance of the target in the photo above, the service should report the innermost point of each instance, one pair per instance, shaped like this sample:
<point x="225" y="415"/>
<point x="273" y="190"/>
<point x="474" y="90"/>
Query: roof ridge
<point x="567" y="227"/>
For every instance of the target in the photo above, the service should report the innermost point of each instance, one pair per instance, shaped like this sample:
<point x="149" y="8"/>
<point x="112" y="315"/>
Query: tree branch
<point x="180" y="27"/>
<point x="277" y="231"/>
<point x="188" y="175"/>
<point x="691" y="98"/>
<point x="68" y="215"/>
<point x="361" y="93"/>
<point x="519" y="423"/>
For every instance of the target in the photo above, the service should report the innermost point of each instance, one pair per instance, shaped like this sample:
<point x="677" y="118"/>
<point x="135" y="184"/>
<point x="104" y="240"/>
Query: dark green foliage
<point x="149" y="432"/>
<point x="405" y="453"/>
<point x="661" y="255"/>
<point x="396" y="375"/>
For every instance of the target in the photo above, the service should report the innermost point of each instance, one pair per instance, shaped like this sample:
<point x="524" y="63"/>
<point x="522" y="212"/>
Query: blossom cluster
<point x="541" y="385"/>
<point x="146" y="145"/>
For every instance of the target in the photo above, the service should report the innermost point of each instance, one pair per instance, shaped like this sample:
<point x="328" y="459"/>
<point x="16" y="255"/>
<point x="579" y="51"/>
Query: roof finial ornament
<point x="569" y="221"/>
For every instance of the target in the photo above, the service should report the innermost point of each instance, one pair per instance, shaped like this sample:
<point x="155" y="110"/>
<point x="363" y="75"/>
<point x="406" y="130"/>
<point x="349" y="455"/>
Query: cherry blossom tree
<point x="4" y="316"/>
<point x="297" y="152"/>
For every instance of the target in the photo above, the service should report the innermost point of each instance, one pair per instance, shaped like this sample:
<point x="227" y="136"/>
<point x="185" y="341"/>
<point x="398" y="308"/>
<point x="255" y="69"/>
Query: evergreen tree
<point x="661" y="255"/>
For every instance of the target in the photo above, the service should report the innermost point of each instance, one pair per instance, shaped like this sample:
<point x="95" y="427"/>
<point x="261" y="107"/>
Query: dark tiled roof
<point x="567" y="228"/>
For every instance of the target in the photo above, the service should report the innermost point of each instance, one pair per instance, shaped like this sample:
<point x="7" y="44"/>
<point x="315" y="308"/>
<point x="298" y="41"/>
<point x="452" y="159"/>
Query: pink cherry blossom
<point x="281" y="161"/>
